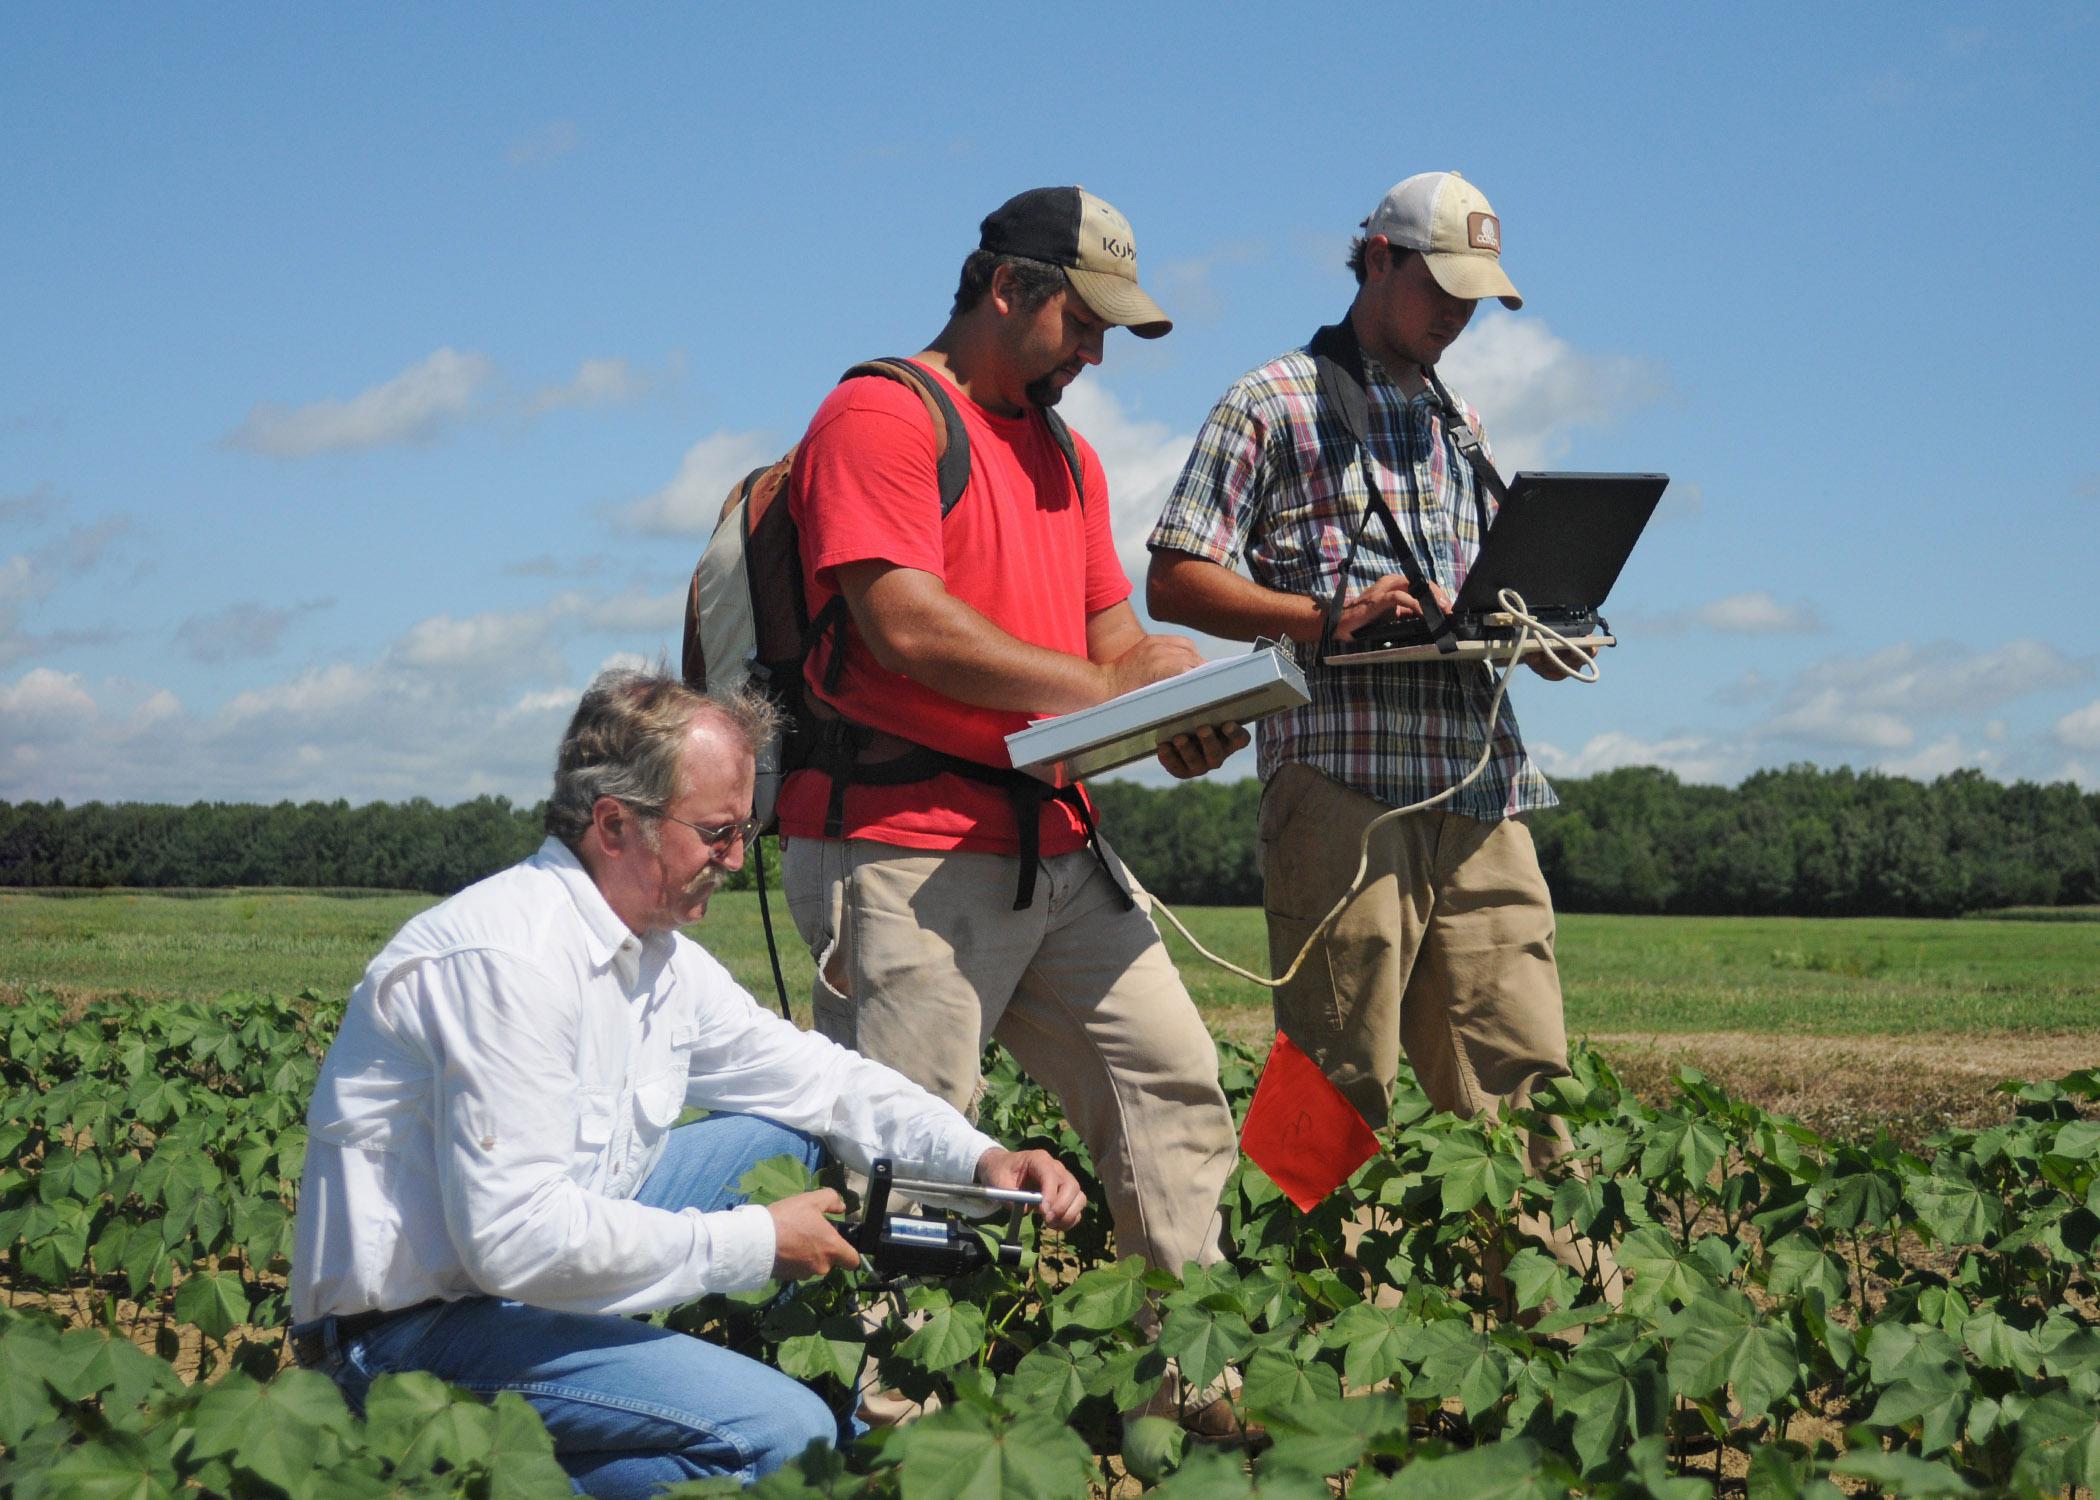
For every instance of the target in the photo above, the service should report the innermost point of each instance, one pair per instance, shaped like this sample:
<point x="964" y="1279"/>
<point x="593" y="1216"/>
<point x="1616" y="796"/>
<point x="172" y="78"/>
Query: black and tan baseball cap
<point x="1070" y="227"/>
<point x="1451" y="223"/>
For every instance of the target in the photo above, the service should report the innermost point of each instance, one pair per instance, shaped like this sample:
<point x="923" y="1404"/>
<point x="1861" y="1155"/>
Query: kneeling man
<point x="493" y="1179"/>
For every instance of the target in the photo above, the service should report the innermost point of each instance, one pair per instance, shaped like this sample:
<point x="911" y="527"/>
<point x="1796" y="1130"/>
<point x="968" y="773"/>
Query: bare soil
<point x="1844" y="1086"/>
<point x="1851" y="1087"/>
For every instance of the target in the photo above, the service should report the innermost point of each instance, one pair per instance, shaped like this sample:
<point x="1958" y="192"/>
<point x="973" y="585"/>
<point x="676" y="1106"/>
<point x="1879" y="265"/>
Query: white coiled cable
<point x="1581" y="668"/>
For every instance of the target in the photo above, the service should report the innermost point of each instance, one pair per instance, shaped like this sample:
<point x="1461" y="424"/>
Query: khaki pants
<point x="1446" y="952"/>
<point x="921" y="960"/>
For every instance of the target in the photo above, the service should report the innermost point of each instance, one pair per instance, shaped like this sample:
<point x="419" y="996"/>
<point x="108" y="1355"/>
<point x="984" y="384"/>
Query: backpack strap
<point x="840" y="757"/>
<point x="951" y="440"/>
<point x="951" y="456"/>
<point x="1063" y="437"/>
<point x="842" y="742"/>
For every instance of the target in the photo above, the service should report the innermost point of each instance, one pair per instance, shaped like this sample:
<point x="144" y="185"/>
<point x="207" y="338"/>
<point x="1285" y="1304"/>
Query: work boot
<point x="1210" y="1415"/>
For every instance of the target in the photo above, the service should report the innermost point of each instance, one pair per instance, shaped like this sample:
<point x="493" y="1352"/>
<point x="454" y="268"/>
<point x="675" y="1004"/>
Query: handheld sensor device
<point x="910" y="1245"/>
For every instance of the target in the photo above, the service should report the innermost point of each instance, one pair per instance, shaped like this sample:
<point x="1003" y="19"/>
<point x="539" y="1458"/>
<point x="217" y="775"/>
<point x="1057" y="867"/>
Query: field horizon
<point x="1846" y="1023"/>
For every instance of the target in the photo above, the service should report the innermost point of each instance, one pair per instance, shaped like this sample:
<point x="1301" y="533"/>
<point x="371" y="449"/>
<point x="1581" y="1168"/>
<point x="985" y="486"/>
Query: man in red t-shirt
<point x="932" y="933"/>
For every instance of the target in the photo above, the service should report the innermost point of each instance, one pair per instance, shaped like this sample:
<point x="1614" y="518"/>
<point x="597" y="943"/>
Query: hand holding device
<point x="1153" y="659"/>
<point x="805" y="1241"/>
<point x="913" y="1245"/>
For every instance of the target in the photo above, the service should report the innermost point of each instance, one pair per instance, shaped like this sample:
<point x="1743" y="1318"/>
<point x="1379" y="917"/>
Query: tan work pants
<point x="921" y="960"/>
<point x="1446" y="952"/>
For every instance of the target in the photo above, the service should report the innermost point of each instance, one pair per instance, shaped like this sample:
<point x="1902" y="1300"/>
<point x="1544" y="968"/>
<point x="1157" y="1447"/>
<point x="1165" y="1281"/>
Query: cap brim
<point x="1121" y="301"/>
<point x="1473" y="277"/>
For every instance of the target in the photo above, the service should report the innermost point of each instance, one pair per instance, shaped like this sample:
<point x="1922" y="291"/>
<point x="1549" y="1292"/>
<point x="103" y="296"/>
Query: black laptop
<point x="1559" y="541"/>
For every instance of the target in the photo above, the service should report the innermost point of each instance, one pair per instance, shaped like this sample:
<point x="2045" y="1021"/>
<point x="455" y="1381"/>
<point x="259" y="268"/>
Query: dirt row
<point x="1847" y="1086"/>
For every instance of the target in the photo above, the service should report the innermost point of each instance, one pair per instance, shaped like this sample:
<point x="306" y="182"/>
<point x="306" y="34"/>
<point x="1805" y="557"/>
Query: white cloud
<point x="30" y="579"/>
<point x="16" y="644"/>
<point x="386" y="731"/>
<point x="1757" y="613"/>
<point x="636" y="612"/>
<point x="437" y="703"/>
<point x="1940" y="677"/>
<point x="329" y="692"/>
<point x="1751" y="687"/>
<point x="2079" y="729"/>
<point x="597" y="382"/>
<point x="1831" y="717"/>
<point x="690" y="504"/>
<point x="1943" y="755"/>
<point x="30" y="506"/>
<point x="45" y="697"/>
<point x="240" y="632"/>
<point x="419" y="404"/>
<point x="1141" y="459"/>
<point x="85" y="546"/>
<point x="496" y="644"/>
<point x="1684" y="500"/>
<point x="1694" y="757"/>
<point x="1881" y="702"/>
<point x="1185" y="286"/>
<point x="157" y="709"/>
<point x="1544" y="387"/>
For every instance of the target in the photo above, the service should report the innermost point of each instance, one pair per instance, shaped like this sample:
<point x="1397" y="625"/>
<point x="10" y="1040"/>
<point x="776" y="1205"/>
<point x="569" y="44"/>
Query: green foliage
<point x="408" y="846"/>
<point x="86" y="1414"/>
<point x="1809" y="842"/>
<point x="1935" y="1307"/>
<point x="1800" y="841"/>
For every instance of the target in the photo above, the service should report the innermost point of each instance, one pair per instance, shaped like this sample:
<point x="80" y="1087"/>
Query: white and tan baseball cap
<point x="1070" y="227"/>
<point x="1452" y="224"/>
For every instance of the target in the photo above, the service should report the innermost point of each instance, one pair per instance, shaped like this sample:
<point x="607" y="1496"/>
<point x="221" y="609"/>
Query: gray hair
<point x="626" y="739"/>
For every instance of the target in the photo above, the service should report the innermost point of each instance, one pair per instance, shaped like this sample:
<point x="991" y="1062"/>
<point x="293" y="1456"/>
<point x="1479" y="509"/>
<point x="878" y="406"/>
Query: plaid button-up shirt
<point x="1275" y="477"/>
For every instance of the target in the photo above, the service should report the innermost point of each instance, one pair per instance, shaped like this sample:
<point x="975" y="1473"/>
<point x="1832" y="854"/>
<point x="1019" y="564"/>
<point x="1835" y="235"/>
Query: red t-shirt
<point x="1017" y="548"/>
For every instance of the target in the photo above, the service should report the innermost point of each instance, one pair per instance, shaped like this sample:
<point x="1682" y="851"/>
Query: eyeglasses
<point x="720" y="837"/>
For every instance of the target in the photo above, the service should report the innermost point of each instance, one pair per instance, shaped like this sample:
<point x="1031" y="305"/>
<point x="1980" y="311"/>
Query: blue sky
<point x="370" y="373"/>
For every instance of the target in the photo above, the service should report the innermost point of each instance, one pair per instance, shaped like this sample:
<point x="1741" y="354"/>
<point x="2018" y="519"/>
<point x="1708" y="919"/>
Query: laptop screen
<point x="1560" y="540"/>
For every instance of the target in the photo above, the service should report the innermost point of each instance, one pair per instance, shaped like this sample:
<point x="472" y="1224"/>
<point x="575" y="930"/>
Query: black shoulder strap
<point x="1467" y="441"/>
<point x="1340" y="363"/>
<point x="1340" y="366"/>
<point x="1065" y="445"/>
<point x="951" y="438"/>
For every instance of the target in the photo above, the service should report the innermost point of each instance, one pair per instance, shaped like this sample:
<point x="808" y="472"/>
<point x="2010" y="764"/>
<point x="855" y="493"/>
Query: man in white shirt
<point x="493" y="1177"/>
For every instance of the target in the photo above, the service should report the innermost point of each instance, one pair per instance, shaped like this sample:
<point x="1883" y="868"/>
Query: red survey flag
<point x="1301" y="1131"/>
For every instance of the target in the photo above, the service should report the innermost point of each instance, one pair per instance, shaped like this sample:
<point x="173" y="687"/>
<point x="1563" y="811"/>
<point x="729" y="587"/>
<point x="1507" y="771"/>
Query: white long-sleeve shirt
<point x="504" y="1080"/>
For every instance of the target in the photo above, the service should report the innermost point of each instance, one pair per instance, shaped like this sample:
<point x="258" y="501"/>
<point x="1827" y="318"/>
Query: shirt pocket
<point x="660" y="1100"/>
<point x="594" y="1119"/>
<point x="374" y="1133"/>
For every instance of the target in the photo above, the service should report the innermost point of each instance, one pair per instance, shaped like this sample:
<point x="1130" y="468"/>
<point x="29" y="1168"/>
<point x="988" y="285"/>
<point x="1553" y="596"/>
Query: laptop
<point x="1559" y="541"/>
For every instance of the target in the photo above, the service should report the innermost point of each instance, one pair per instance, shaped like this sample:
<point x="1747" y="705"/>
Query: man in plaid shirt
<point x="1447" y="951"/>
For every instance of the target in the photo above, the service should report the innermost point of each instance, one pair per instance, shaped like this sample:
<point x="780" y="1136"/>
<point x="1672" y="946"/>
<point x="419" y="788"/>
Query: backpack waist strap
<point x="852" y="754"/>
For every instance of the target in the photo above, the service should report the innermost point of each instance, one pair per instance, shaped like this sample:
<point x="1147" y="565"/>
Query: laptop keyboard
<point x="1484" y="626"/>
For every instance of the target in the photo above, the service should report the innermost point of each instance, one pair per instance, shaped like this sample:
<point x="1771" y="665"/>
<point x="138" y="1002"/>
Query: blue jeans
<point x="631" y="1408"/>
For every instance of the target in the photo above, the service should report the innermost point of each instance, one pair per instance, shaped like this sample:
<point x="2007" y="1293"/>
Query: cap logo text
<point x="1120" y="249"/>
<point x="1484" y="232"/>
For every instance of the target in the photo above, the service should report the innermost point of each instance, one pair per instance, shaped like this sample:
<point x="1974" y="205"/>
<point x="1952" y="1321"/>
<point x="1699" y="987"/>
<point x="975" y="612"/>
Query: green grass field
<point x="1621" y="974"/>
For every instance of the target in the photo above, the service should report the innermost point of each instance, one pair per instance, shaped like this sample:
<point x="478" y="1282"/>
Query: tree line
<point x="1802" y="841"/>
